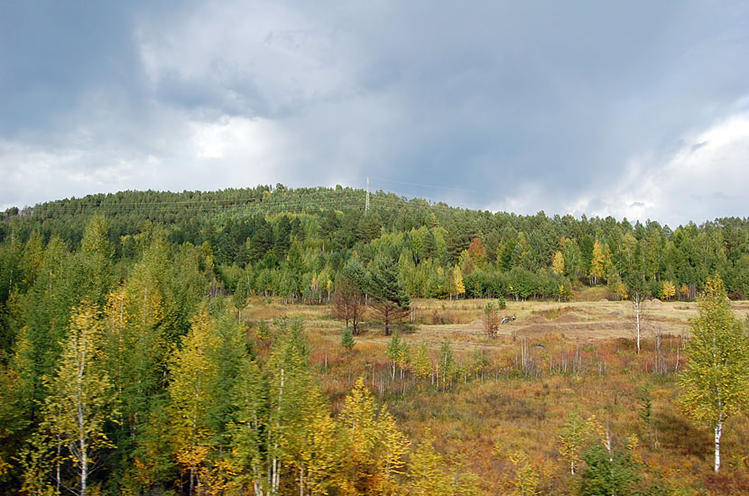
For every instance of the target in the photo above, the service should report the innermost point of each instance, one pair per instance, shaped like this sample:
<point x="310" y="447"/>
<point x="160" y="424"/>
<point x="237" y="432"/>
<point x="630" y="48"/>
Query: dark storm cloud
<point x="52" y="54"/>
<point x="567" y="107"/>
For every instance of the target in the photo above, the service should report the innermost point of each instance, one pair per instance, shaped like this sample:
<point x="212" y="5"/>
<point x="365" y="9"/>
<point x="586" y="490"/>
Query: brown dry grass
<point x="503" y="410"/>
<point x="461" y="320"/>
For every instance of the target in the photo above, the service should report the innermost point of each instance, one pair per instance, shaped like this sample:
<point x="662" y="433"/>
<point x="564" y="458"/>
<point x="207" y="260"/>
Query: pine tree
<point x="290" y="385"/>
<point x="46" y="310"/>
<point x="347" y="340"/>
<point x="322" y="457"/>
<point x="135" y="348"/>
<point x="151" y="465"/>
<point x="97" y="253"/>
<point x="241" y="293"/>
<point x="395" y="446"/>
<point x="715" y="382"/>
<point x="491" y="320"/>
<point x="527" y="479"/>
<point x="391" y="301"/>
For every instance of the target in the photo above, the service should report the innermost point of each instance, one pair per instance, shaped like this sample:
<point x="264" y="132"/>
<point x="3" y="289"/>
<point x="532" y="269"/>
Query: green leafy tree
<point x="715" y="382"/>
<point x="447" y="367"/>
<point x="246" y="429"/>
<point x="637" y="290"/>
<point x="395" y="351"/>
<point x="77" y="409"/>
<point x="241" y="293"/>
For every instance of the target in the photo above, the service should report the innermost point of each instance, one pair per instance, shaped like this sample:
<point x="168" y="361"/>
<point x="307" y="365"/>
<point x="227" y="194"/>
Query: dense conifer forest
<point x="132" y="360"/>
<point x="293" y="242"/>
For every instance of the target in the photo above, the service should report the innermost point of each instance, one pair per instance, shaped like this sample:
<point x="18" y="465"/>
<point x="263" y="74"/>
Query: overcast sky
<point x="636" y="109"/>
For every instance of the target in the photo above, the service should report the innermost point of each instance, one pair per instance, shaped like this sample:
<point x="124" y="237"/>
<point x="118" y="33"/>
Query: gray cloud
<point x="560" y="107"/>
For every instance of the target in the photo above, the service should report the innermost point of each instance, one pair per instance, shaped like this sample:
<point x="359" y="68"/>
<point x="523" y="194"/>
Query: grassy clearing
<point x="554" y="359"/>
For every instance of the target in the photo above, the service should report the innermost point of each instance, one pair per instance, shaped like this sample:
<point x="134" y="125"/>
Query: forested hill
<point x="113" y="305"/>
<point x="294" y="241"/>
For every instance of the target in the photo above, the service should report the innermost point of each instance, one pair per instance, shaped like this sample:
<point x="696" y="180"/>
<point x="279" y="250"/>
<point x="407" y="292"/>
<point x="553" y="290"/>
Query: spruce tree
<point x="347" y="340"/>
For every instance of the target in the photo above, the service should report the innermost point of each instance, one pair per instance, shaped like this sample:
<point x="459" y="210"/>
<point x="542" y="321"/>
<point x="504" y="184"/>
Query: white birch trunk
<point x="718" y="433"/>
<point x="81" y="415"/>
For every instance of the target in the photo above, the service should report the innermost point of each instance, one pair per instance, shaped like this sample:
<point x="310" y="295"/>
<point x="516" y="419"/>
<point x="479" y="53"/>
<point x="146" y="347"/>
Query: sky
<point x="633" y="109"/>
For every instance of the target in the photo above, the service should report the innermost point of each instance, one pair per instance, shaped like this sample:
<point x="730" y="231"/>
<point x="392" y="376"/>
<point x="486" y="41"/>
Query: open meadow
<point x="508" y="398"/>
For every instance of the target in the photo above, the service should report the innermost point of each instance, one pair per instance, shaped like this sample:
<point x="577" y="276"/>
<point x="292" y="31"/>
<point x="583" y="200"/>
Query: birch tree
<point x="190" y="400"/>
<point x="637" y="291"/>
<point x="715" y="382"/>
<point x="78" y="406"/>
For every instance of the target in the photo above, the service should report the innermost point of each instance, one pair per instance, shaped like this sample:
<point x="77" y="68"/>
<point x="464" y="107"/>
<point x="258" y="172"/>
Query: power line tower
<point x="366" y="201"/>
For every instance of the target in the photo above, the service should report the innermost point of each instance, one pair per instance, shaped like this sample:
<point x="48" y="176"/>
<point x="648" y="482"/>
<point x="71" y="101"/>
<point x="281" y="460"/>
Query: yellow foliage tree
<point x="359" y="420"/>
<point x="320" y="459"/>
<point x="426" y="473"/>
<point x="192" y="372"/>
<point x="597" y="263"/>
<point x="421" y="365"/>
<point x="526" y="475"/>
<point x="557" y="264"/>
<point x="395" y="447"/>
<point x="374" y="446"/>
<point x="684" y="292"/>
<point x="668" y="290"/>
<point x="457" y="286"/>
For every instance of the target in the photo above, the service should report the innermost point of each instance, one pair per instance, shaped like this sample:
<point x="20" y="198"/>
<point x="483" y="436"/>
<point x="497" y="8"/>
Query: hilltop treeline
<point x="293" y="243"/>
